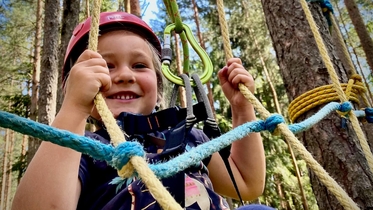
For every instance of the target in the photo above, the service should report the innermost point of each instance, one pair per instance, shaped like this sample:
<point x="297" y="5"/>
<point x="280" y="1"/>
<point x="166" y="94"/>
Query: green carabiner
<point x="166" y="56"/>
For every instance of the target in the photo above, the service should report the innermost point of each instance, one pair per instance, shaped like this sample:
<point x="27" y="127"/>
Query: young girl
<point x="126" y="70"/>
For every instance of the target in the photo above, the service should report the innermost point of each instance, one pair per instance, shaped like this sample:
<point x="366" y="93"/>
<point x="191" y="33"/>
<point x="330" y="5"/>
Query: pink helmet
<point x="108" y="21"/>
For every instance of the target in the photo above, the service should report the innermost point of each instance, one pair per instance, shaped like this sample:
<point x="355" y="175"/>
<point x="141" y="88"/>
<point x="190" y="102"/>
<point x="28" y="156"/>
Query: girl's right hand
<point x="87" y="77"/>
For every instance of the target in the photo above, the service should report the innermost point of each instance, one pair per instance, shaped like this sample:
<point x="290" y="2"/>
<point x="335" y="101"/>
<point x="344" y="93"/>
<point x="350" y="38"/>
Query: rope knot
<point x="344" y="109"/>
<point x="369" y="114"/>
<point x="124" y="151"/>
<point x="356" y="77"/>
<point x="272" y="121"/>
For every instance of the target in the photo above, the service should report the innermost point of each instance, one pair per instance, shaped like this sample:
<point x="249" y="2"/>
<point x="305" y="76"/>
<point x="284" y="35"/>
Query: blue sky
<point x="149" y="13"/>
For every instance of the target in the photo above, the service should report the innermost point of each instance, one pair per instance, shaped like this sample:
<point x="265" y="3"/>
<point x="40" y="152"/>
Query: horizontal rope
<point x="120" y="155"/>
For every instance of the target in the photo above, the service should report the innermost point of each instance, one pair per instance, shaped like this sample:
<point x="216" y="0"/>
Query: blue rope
<point x="115" y="156"/>
<point x="120" y="155"/>
<point x="369" y="114"/>
<point x="327" y="109"/>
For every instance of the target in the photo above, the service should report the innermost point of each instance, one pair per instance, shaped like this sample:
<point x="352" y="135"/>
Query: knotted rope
<point x="118" y="156"/>
<point x="136" y="163"/>
<point x="337" y="86"/>
<point x="322" y="95"/>
<point x="324" y="177"/>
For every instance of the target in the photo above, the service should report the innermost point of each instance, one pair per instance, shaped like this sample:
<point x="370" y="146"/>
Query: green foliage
<point x="18" y="104"/>
<point x="16" y="35"/>
<point x="17" y="21"/>
<point x="109" y="5"/>
<point x="249" y="39"/>
<point x="20" y="164"/>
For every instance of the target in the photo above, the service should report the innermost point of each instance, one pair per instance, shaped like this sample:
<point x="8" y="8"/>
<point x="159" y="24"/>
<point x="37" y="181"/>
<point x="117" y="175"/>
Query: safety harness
<point x="179" y="122"/>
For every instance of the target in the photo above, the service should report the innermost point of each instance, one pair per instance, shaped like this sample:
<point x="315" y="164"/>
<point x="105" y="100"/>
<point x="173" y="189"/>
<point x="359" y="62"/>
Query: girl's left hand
<point x="230" y="76"/>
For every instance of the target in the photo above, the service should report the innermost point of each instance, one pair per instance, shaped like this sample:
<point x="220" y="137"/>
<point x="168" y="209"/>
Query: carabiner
<point x="167" y="54"/>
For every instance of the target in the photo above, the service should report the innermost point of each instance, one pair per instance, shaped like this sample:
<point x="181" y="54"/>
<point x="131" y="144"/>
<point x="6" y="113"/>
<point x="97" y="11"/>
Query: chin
<point x="117" y="113"/>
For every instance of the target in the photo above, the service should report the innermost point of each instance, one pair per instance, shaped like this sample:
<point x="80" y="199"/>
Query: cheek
<point x="151" y="84"/>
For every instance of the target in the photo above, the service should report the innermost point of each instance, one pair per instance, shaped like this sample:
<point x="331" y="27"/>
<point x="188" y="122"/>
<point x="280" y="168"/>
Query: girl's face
<point x="134" y="81"/>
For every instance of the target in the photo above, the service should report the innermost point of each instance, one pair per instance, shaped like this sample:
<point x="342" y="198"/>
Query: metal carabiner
<point x="167" y="54"/>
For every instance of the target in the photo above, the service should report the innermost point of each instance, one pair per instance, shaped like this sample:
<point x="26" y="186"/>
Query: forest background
<point x="32" y="50"/>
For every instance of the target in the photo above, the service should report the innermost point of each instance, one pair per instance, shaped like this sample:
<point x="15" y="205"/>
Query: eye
<point x="140" y="66"/>
<point x="110" y="66"/>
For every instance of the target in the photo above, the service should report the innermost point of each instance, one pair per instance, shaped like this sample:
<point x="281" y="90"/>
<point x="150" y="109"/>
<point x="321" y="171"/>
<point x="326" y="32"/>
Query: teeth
<point x="123" y="97"/>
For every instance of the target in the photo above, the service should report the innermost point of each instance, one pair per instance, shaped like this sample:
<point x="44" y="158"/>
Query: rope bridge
<point x="128" y="157"/>
<point x="119" y="155"/>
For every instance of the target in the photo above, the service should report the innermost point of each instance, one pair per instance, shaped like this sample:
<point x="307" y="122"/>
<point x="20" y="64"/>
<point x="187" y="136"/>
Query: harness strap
<point x="161" y="120"/>
<point x="212" y="130"/>
<point x="179" y="121"/>
<point x="176" y="141"/>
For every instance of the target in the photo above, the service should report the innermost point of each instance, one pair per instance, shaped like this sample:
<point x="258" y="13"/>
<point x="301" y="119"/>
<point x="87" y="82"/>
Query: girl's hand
<point x="232" y="75"/>
<point x="87" y="77"/>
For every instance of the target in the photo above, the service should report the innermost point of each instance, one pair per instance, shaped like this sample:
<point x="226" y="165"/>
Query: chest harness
<point x="179" y="122"/>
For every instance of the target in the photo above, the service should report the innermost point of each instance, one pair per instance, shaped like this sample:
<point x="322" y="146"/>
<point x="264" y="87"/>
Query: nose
<point x="124" y="74"/>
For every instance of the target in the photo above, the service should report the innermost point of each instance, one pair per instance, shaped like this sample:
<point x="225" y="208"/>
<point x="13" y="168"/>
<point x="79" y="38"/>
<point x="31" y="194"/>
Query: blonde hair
<point x="158" y="71"/>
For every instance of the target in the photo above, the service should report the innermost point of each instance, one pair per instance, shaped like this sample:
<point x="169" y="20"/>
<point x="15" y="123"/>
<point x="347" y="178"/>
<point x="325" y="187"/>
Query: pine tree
<point x="302" y="69"/>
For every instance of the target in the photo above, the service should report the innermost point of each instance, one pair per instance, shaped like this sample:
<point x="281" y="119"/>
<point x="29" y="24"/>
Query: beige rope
<point x="334" y="77"/>
<point x="139" y="164"/>
<point x="346" y="55"/>
<point x="324" y="177"/>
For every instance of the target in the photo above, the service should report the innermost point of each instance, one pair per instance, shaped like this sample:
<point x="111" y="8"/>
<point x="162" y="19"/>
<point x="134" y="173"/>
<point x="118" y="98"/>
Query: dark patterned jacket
<point x="98" y="193"/>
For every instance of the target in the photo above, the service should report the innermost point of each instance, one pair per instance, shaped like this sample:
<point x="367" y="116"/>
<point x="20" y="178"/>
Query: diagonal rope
<point x="324" y="177"/>
<point x="334" y="77"/>
<point x="349" y="60"/>
<point x="137" y="163"/>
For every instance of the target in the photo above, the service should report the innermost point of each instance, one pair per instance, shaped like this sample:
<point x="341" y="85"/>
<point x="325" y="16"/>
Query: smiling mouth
<point x="124" y="96"/>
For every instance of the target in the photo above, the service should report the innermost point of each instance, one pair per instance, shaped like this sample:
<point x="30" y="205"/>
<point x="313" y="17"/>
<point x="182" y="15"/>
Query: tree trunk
<point x="49" y="65"/>
<point x="87" y="9"/>
<point x="127" y="6"/>
<point x="4" y="170"/>
<point x="9" y="194"/>
<point x="283" y="202"/>
<point x="36" y="61"/>
<point x="34" y="143"/>
<point x="25" y="140"/>
<point x="361" y="30"/>
<point x="135" y="7"/>
<point x="302" y="69"/>
<point x="347" y="38"/>
<point x="70" y="18"/>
